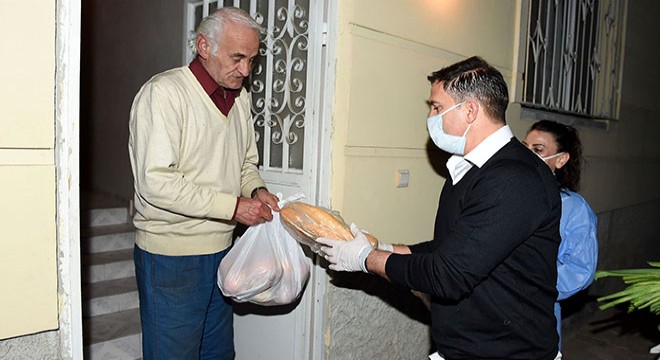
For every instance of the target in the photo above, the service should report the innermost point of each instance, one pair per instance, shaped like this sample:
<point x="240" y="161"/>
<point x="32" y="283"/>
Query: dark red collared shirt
<point x="221" y="97"/>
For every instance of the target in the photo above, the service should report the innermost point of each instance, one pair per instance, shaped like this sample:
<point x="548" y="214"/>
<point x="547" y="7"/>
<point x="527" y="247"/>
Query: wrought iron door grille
<point x="279" y="77"/>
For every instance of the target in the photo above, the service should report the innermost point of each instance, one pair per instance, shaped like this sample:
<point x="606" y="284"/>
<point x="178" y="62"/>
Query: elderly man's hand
<point x="347" y="255"/>
<point x="252" y="212"/>
<point x="267" y="198"/>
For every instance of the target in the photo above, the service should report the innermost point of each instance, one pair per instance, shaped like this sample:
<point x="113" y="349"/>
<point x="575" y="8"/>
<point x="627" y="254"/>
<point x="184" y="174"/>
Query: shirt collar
<point x="458" y="166"/>
<point x="203" y="76"/>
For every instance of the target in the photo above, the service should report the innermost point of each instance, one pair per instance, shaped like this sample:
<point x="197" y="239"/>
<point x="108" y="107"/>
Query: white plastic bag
<point x="266" y="266"/>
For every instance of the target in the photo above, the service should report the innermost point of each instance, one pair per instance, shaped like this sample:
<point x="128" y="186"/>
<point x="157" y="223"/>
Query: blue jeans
<point x="182" y="311"/>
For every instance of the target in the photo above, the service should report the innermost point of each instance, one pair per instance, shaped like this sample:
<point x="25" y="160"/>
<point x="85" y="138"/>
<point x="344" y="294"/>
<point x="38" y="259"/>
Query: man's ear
<point x="562" y="160"/>
<point x="203" y="46"/>
<point x="472" y="108"/>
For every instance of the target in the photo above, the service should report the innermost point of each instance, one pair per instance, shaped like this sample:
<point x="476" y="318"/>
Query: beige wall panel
<point x="27" y="74"/>
<point x="28" y="250"/>
<point x="614" y="183"/>
<point x="387" y="105"/>
<point x="634" y="136"/>
<point x="394" y="215"/>
<point x="389" y="88"/>
<point x="465" y="27"/>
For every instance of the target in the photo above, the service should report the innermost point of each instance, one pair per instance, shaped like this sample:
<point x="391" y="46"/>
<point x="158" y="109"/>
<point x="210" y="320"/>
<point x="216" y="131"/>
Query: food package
<point x="266" y="266"/>
<point x="307" y="222"/>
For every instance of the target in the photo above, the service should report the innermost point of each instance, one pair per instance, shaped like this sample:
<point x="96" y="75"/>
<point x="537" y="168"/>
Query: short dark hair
<point x="474" y="77"/>
<point x="567" y="139"/>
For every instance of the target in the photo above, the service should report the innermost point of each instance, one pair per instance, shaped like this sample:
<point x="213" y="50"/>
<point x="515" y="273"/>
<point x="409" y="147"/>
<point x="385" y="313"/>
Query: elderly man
<point x="194" y="160"/>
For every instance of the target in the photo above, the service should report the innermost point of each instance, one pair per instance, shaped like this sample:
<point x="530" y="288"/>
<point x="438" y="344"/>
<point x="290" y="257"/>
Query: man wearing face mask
<point x="491" y="267"/>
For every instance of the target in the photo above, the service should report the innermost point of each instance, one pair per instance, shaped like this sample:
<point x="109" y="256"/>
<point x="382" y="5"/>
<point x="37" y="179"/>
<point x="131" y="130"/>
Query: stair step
<point x="114" y="336"/>
<point x="110" y="296"/>
<point x="107" y="238"/>
<point x="108" y="265"/>
<point x="107" y="216"/>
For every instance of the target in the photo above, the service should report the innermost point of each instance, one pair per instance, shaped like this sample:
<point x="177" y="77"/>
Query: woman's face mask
<point x="549" y="157"/>
<point x="450" y="143"/>
<point x="542" y="143"/>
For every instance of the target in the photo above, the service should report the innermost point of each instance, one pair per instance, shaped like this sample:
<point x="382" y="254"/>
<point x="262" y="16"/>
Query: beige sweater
<point x="190" y="163"/>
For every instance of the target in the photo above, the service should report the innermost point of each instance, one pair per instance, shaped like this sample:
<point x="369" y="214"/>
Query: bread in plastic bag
<point x="266" y="266"/>
<point x="307" y="222"/>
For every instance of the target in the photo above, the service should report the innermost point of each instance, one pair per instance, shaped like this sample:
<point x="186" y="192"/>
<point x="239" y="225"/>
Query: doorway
<point x="126" y="42"/>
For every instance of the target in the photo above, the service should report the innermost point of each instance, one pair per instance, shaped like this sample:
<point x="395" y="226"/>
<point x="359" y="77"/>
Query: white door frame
<point x="67" y="149"/>
<point x="323" y="175"/>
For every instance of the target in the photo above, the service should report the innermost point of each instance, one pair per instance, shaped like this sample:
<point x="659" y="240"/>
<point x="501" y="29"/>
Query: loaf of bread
<point x="307" y="222"/>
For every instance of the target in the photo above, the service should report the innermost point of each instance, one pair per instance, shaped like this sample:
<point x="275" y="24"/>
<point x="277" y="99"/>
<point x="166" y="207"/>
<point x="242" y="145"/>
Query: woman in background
<point x="560" y="148"/>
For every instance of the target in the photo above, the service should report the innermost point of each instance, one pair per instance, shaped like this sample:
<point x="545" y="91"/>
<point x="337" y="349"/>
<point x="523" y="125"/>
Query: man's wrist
<point x="364" y="254"/>
<point x="256" y="190"/>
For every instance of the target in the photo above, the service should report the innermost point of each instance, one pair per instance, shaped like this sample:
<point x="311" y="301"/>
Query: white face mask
<point x="450" y="143"/>
<point x="549" y="157"/>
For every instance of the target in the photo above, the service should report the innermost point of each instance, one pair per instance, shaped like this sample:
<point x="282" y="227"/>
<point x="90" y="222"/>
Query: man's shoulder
<point x="172" y="82"/>
<point x="513" y="154"/>
<point x="171" y="75"/>
<point x="517" y="166"/>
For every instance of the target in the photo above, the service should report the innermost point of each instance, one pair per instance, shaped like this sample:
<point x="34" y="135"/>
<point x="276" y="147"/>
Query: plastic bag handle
<point x="295" y="197"/>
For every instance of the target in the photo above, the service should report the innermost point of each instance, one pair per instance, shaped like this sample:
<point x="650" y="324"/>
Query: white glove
<point x="385" y="247"/>
<point x="347" y="255"/>
<point x="655" y="349"/>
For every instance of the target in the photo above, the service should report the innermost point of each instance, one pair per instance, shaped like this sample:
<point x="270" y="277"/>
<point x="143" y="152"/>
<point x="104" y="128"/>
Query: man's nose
<point x="244" y="67"/>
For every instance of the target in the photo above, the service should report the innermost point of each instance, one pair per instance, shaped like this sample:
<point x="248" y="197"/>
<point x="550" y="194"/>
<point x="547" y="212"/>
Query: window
<point x="573" y="57"/>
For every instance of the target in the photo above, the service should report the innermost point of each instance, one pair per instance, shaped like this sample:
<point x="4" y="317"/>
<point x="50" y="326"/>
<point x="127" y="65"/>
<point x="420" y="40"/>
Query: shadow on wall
<point x="395" y="296"/>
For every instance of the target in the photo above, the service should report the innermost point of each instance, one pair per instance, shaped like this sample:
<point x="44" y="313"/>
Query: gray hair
<point x="212" y="25"/>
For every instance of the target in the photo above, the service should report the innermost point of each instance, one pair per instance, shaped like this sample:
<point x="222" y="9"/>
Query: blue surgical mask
<point x="450" y="143"/>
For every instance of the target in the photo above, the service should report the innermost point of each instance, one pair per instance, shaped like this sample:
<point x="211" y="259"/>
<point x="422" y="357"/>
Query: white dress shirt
<point x="458" y="165"/>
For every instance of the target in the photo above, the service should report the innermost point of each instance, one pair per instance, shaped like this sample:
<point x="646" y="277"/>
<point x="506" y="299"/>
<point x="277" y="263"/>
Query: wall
<point x="27" y="173"/>
<point x="125" y="42"/>
<point x="624" y="161"/>
<point x="385" y="51"/>
<point x="39" y="184"/>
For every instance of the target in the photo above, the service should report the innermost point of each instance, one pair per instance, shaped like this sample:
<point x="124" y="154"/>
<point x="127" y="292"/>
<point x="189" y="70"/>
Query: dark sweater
<point x="491" y="268"/>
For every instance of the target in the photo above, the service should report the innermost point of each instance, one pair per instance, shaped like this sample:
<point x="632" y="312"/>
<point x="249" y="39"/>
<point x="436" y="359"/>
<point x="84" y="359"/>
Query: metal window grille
<point x="573" y="59"/>
<point x="278" y="82"/>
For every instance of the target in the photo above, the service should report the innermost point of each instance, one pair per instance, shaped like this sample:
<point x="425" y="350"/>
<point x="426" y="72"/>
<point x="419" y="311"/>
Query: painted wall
<point x="28" y="254"/>
<point x="124" y="43"/>
<point x="39" y="184"/>
<point x="623" y="173"/>
<point x="385" y="52"/>
<point x="623" y="161"/>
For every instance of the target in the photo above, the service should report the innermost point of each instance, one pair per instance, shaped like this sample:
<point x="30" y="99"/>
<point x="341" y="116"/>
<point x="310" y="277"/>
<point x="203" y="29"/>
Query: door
<point x="287" y="85"/>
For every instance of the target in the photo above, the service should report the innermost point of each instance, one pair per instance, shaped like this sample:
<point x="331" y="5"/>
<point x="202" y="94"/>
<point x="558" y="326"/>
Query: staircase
<point x="111" y="318"/>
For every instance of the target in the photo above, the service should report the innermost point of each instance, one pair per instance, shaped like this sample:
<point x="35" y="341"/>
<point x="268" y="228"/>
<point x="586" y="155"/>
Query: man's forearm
<point x="377" y="259"/>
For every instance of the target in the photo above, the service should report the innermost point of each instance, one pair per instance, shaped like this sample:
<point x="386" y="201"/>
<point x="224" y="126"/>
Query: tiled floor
<point x="614" y="335"/>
